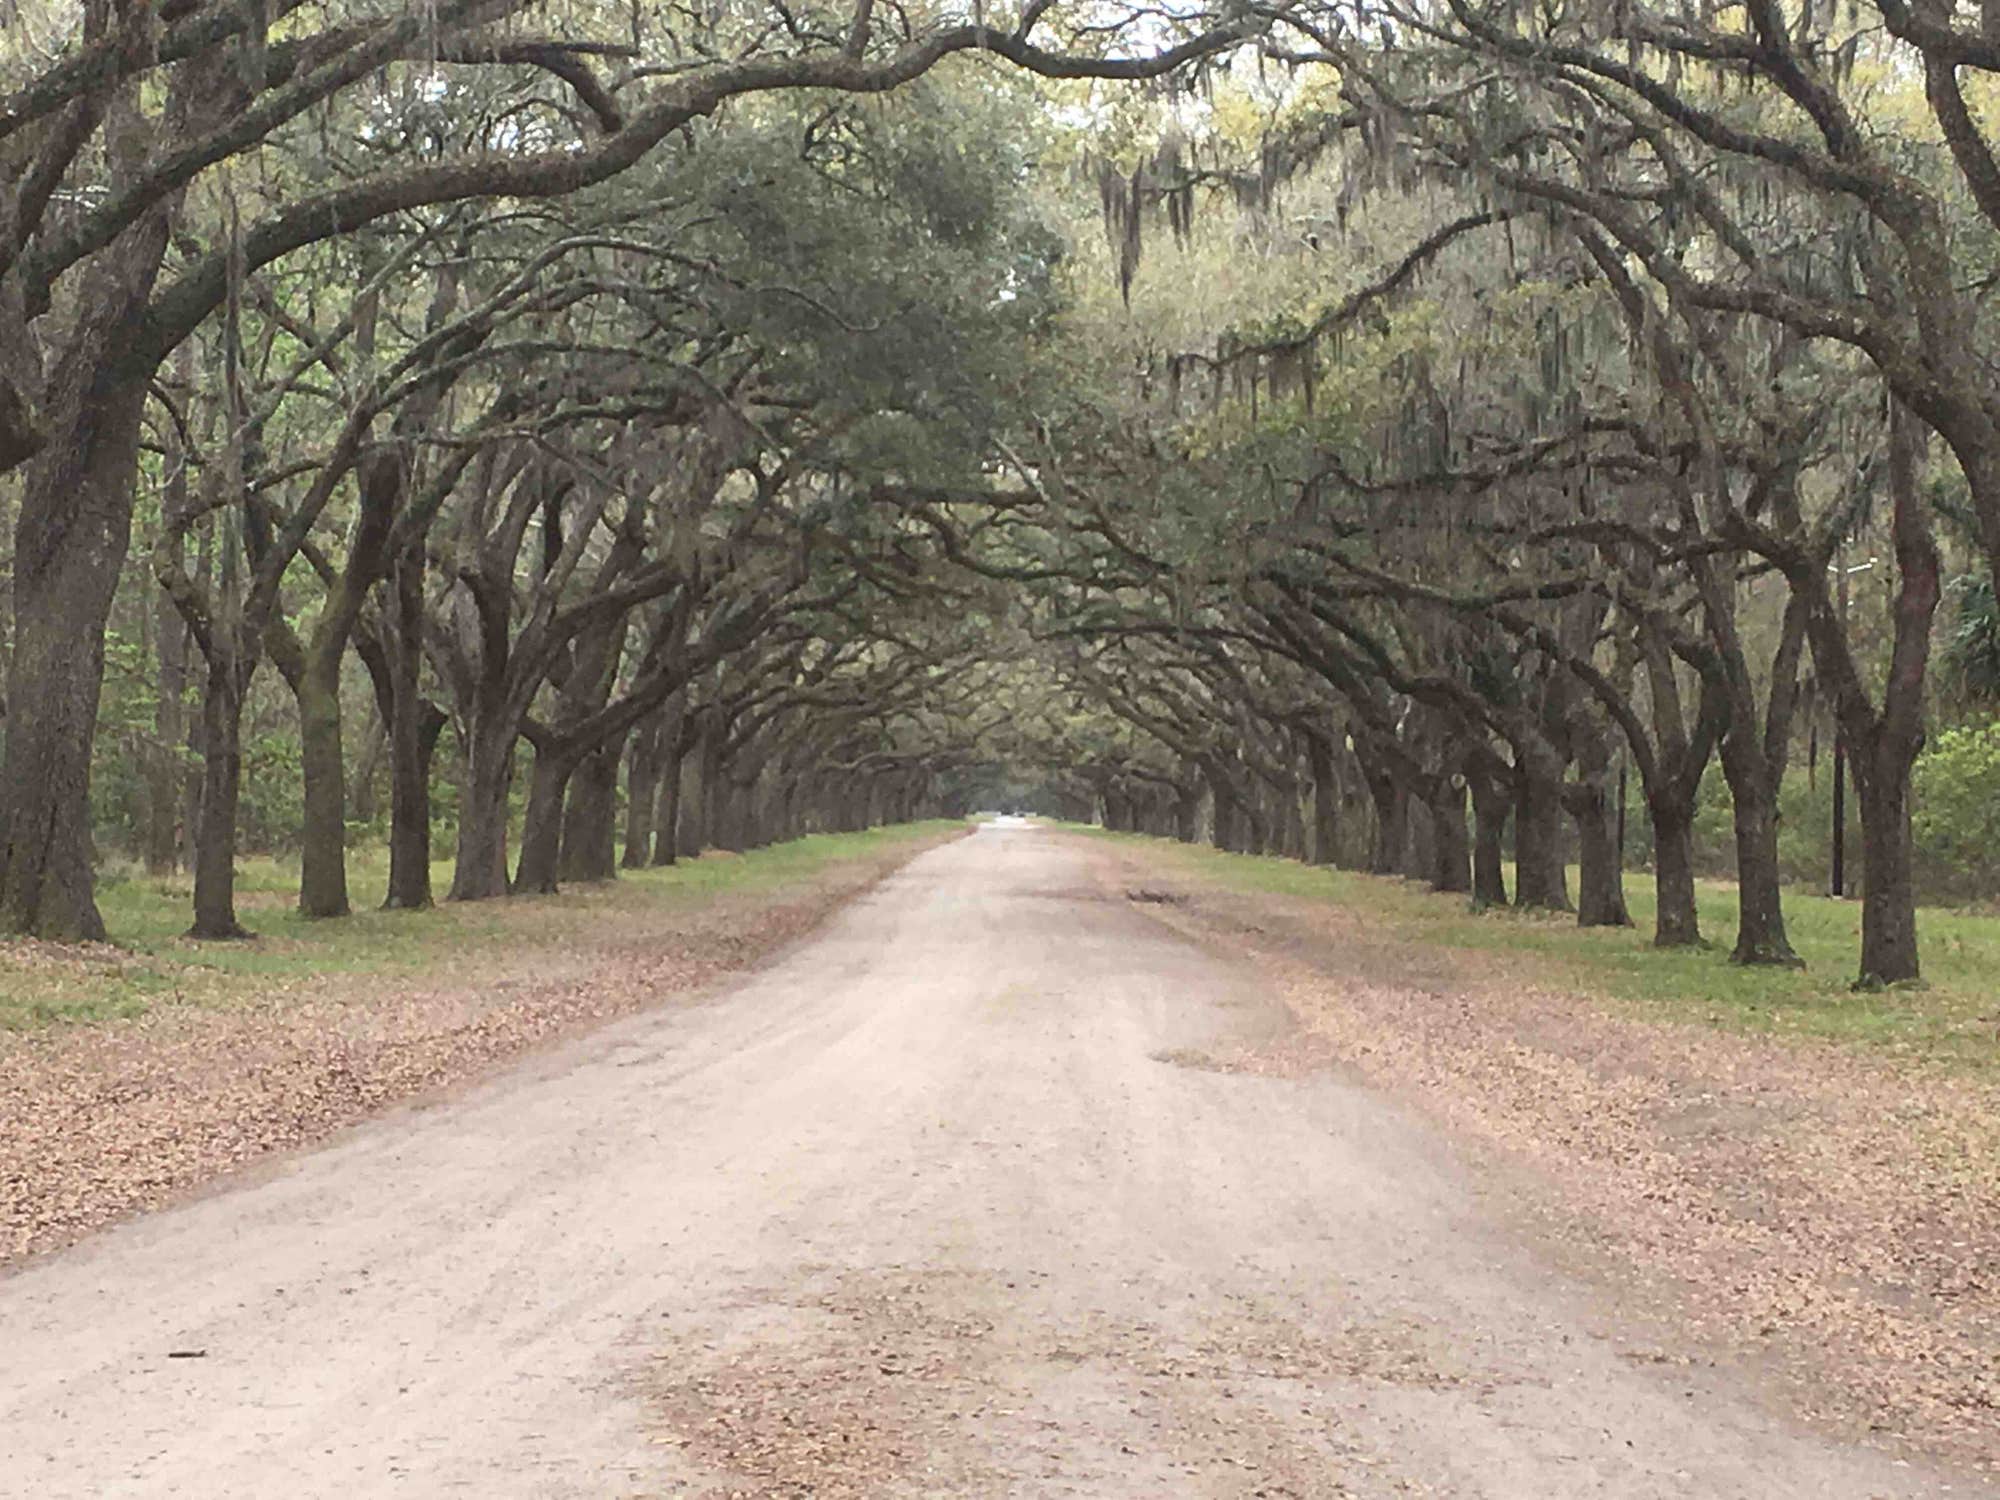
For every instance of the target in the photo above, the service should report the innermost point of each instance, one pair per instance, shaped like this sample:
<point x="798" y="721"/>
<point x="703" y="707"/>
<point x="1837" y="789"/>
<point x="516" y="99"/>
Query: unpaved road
<point x="943" y="1204"/>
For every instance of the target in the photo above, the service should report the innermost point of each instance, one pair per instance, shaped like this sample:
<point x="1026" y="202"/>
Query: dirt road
<point x="947" y="1203"/>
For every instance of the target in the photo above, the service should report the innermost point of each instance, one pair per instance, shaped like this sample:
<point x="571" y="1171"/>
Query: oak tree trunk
<point x="1600" y="889"/>
<point x="642" y="788"/>
<point x="1888" y="894"/>
<point x="1883" y="747"/>
<point x="1451" y="846"/>
<point x="1323" y="845"/>
<point x="1392" y="832"/>
<point x="414" y="724"/>
<point x="480" y="866"/>
<point x="221" y="785"/>
<point x="69" y="543"/>
<point x="323" y="849"/>
<point x="413" y="737"/>
<point x="1760" y="933"/>
<point x="590" y="817"/>
<point x="1228" y="821"/>
<point x="667" y="806"/>
<point x="1491" y="805"/>
<point x="1676" y="921"/>
<point x="541" y="823"/>
<point x="166" y="771"/>
<point x="1541" y="881"/>
<point x="1291" y="824"/>
<point x="70" y="539"/>
<point x="1600" y="894"/>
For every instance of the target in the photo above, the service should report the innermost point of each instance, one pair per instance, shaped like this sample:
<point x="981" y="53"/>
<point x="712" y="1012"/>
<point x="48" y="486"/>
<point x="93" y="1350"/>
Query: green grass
<point x="153" y="962"/>
<point x="1954" y="1017"/>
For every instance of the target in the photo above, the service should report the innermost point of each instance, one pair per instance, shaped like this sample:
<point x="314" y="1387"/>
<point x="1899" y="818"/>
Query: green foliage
<point x="887" y="258"/>
<point x="1972" y="639"/>
<point x="1956" y="823"/>
<point x="1955" y="772"/>
<point x="274" y="801"/>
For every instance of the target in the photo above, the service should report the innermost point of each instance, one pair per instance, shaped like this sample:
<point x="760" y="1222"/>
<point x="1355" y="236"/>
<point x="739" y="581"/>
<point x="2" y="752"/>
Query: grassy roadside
<point x="152" y="963"/>
<point x="1953" y="1019"/>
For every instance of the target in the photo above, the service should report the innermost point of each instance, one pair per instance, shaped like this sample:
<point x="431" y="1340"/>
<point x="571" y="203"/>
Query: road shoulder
<point x="1796" y="1206"/>
<point x="101" y="1121"/>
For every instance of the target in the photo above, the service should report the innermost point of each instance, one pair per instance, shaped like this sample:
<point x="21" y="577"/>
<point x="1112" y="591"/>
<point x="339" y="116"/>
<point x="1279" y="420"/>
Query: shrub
<point x="1956" y="817"/>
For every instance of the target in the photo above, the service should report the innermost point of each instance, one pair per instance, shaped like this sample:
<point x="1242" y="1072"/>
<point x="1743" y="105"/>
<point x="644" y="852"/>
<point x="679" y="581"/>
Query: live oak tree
<point x="110" y="138"/>
<point x="1386" y="439"/>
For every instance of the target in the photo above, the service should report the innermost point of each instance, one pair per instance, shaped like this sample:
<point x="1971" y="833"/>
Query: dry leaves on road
<point x="1835" y="1210"/>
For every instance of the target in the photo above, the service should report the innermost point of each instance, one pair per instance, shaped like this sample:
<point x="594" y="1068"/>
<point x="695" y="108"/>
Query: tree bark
<point x="197" y="734"/>
<point x="323" y="847"/>
<point x="1491" y="804"/>
<point x="166" y="773"/>
<point x="1600" y="894"/>
<point x="1323" y="847"/>
<point x="1888" y="894"/>
<point x="1753" y="763"/>
<point x="1676" y="921"/>
<point x="221" y="786"/>
<point x="1117" y="810"/>
<point x="70" y="540"/>
<point x="667" y="808"/>
<point x="413" y="738"/>
<point x="1541" y="881"/>
<point x="541" y="824"/>
<point x="1672" y="765"/>
<point x="414" y="724"/>
<point x="1451" y="846"/>
<point x="1420" y="852"/>
<point x="1882" y="746"/>
<point x="1600" y="866"/>
<point x="362" y="803"/>
<point x="1760" y="933"/>
<point x="1291" y="824"/>
<point x="1392" y="829"/>
<point x="780" y="810"/>
<point x="590" y="816"/>
<point x="1256" y="826"/>
<point x="725" y="812"/>
<point x="690" y="823"/>
<point x="642" y="789"/>
<point x="698" y="790"/>
<point x="1228" y="814"/>
<point x="479" y="870"/>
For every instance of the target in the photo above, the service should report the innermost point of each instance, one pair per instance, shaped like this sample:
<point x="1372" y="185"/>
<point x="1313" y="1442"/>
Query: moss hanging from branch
<point x="1121" y="198"/>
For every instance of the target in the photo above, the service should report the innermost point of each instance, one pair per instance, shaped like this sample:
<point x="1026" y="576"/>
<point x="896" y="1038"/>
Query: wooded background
<point x="1464" y="440"/>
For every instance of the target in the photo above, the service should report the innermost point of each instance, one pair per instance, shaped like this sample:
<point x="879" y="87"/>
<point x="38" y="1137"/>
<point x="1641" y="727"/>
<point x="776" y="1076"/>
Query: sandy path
<point x="941" y="1205"/>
